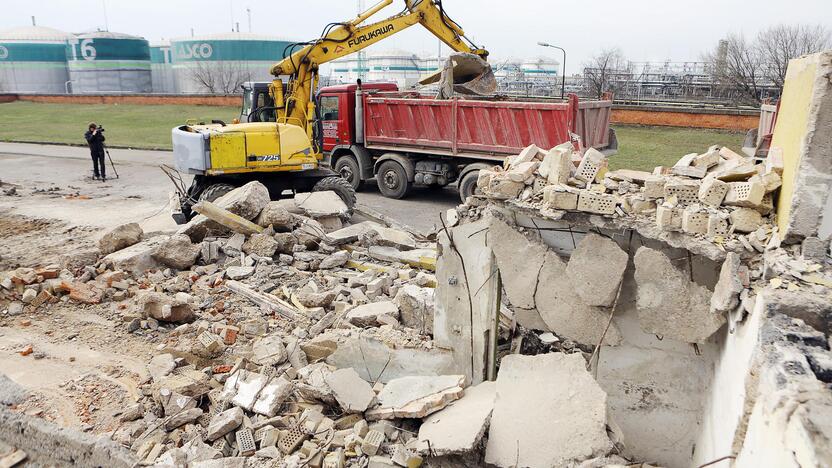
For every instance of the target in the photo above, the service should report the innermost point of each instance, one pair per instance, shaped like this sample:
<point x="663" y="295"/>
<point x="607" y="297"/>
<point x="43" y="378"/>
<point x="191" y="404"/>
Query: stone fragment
<point x="189" y="383"/>
<point x="353" y="394"/>
<point x="814" y="249"/>
<point x="335" y="260"/>
<point x="160" y="366"/>
<point x="746" y="220"/>
<point x="707" y="160"/>
<point x="503" y="188"/>
<point x="286" y="242"/>
<point x="184" y="417"/>
<point x="523" y="171"/>
<point x="319" y="348"/>
<point x="262" y="244"/>
<point x="416" y="397"/>
<point x="177" y="252"/>
<point x="136" y="258"/>
<point x="351" y="233"/>
<point x="596" y="268"/>
<point x="321" y="204"/>
<point x="668" y="219"/>
<point x="276" y="215"/>
<point x="537" y="423"/>
<point x="557" y="164"/>
<point x="367" y="315"/>
<point x="164" y="308"/>
<point x="120" y="237"/>
<point x="248" y="386"/>
<point x="223" y="423"/>
<point x="315" y="299"/>
<point x="269" y="351"/>
<point x="239" y="272"/>
<point x="717" y="225"/>
<point x="389" y="237"/>
<point x="670" y="304"/>
<point x="272" y="396"/>
<point x="28" y="296"/>
<point x="383" y="362"/>
<point x="459" y="427"/>
<point x="729" y="286"/>
<point x="712" y="191"/>
<point x="416" y="307"/>
<point x="591" y="201"/>
<point x="246" y="202"/>
<point x="654" y="187"/>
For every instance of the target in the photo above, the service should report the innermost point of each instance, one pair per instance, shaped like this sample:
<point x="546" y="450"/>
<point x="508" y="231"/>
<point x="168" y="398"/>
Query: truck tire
<point x="392" y="180"/>
<point x="348" y="167"/>
<point x="341" y="187"/>
<point x="215" y="191"/>
<point x="468" y="185"/>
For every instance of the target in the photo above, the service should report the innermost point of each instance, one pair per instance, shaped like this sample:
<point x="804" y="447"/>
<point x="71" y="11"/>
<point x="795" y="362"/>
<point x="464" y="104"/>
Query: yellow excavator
<point x="286" y="154"/>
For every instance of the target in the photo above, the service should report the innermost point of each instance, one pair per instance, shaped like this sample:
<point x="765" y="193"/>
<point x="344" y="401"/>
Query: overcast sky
<point x="644" y="29"/>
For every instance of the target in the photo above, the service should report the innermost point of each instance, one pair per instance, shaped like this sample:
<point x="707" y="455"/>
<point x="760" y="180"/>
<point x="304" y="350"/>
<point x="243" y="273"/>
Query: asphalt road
<point x="141" y="191"/>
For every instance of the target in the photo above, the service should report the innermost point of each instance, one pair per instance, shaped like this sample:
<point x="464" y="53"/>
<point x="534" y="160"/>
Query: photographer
<point x="95" y="138"/>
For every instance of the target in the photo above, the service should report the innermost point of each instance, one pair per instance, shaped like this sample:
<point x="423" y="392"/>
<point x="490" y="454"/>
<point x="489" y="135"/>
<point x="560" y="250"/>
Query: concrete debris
<point x="416" y="307"/>
<point x="669" y="303"/>
<point x="120" y="237"/>
<point x="177" y="252"/>
<point x="460" y="427"/>
<point x="727" y="290"/>
<point x="223" y="423"/>
<point x="532" y="406"/>
<point x="416" y="397"/>
<point x="321" y="204"/>
<point x="353" y="394"/>
<point x="596" y="268"/>
<point x="274" y="214"/>
<point x="369" y="315"/>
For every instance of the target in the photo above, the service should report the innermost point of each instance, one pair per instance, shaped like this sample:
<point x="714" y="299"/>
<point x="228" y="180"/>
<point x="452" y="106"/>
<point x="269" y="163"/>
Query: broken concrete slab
<point x="177" y="252"/>
<point x="160" y="366"/>
<point x="416" y="307"/>
<point x="416" y="397"/>
<point x="335" y="260"/>
<point x="225" y="218"/>
<point x="269" y="351"/>
<point x="596" y="268"/>
<point x="223" y="423"/>
<point x="262" y="244"/>
<point x="353" y="394"/>
<point x="564" y="312"/>
<point x="367" y="315"/>
<point x="321" y="204"/>
<point x="669" y="303"/>
<point x="382" y="363"/>
<point x="548" y="411"/>
<point x="137" y="258"/>
<point x="419" y="258"/>
<point x="459" y="427"/>
<point x="729" y="286"/>
<point x="351" y="233"/>
<point x="120" y="237"/>
<point x="272" y="396"/>
<point x="164" y="308"/>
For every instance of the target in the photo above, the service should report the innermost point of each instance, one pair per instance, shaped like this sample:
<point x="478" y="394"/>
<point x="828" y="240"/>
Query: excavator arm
<point x="342" y="39"/>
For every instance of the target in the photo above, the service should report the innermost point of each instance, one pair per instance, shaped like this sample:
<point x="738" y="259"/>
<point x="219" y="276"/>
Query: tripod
<point x="112" y="164"/>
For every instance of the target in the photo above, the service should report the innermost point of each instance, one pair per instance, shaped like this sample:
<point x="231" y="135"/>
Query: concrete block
<point x="293" y="439"/>
<point x="712" y="191"/>
<point x="272" y="396"/>
<point x="269" y="351"/>
<point x="224" y="423"/>
<point x="669" y="303"/>
<point x="686" y="191"/>
<point x="591" y="163"/>
<point x="557" y="198"/>
<point x="694" y="222"/>
<point x="372" y="443"/>
<point x="503" y="188"/>
<point x="321" y="204"/>
<point x="746" y="220"/>
<point x="729" y="286"/>
<point x="523" y="171"/>
<point x="707" y="160"/>
<point x="248" y="387"/>
<point x="557" y="165"/>
<point x="245" y="442"/>
<point x="669" y="219"/>
<point x="366" y="315"/>
<point x="594" y="202"/>
<point x="120" y="237"/>
<point x="717" y="225"/>
<point x="596" y="268"/>
<point x="459" y="427"/>
<point x="654" y="187"/>
<point x="353" y="394"/>
<point x="744" y="194"/>
<point x="539" y="424"/>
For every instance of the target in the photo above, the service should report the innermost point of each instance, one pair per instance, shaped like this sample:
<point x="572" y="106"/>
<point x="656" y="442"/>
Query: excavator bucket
<point x="466" y="74"/>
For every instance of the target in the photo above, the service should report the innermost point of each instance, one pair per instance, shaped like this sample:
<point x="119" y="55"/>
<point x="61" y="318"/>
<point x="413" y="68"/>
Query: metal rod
<point x="563" y="65"/>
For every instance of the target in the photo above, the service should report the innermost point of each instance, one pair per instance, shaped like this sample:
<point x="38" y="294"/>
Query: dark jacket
<point x="96" y="142"/>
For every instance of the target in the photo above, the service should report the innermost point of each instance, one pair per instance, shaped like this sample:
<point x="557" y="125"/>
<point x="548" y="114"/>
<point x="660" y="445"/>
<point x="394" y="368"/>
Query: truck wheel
<point x="341" y="187"/>
<point x="347" y="166"/>
<point x="468" y="185"/>
<point x="392" y="180"/>
<point x="215" y="191"/>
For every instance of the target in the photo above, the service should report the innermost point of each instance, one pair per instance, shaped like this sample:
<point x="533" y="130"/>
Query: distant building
<point x="109" y="62"/>
<point x="161" y="68"/>
<point x="33" y="60"/>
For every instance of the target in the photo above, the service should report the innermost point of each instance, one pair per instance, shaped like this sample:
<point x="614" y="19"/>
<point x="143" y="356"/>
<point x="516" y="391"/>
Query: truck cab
<point x="339" y="116"/>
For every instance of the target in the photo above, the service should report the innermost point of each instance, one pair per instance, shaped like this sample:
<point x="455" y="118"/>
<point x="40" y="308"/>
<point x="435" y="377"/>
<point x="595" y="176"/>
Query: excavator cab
<point x="258" y="103"/>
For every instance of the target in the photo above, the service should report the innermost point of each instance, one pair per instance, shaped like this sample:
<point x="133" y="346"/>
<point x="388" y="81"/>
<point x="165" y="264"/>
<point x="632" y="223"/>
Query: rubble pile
<point x="273" y="319"/>
<point x="719" y="196"/>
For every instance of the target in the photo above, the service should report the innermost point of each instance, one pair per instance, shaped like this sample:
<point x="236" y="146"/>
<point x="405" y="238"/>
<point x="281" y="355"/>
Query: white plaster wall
<point x="722" y="421"/>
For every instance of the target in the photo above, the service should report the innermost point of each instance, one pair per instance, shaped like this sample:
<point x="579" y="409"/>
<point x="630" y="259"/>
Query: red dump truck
<point x="404" y="139"/>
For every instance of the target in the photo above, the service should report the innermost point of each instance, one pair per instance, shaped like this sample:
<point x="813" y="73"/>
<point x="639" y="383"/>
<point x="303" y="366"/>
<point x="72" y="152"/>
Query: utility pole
<point x="563" y="80"/>
<point x="248" y="12"/>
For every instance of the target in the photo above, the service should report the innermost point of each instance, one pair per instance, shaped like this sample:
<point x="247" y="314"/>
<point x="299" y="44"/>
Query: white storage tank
<point x="109" y="62"/>
<point x="220" y="63"/>
<point x="33" y="60"/>
<point x="161" y="68"/>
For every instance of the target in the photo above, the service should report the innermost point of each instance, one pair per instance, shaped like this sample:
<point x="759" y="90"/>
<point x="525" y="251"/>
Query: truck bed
<point x="479" y="129"/>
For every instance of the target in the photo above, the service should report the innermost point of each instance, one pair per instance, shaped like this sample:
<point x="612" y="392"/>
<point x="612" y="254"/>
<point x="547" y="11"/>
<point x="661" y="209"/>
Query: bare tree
<point x="748" y="71"/>
<point x="607" y="71"/>
<point x="779" y="44"/>
<point x="219" y="77"/>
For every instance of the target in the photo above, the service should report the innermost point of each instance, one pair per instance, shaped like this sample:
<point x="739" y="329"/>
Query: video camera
<point x="100" y="129"/>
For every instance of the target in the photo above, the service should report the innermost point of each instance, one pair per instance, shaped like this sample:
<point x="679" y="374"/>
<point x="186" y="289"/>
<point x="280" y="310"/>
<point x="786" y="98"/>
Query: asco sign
<point x="4" y="53"/>
<point x="194" y="51"/>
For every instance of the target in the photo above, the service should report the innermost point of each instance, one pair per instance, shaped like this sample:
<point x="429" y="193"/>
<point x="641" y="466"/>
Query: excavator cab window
<point x="258" y="105"/>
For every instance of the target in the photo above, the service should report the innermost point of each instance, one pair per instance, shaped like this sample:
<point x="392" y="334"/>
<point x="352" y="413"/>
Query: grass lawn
<point x="135" y="126"/>
<point x="145" y="126"/>
<point x="644" y="148"/>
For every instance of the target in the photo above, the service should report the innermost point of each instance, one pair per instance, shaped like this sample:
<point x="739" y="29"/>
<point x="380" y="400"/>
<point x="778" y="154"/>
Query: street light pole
<point x="563" y="80"/>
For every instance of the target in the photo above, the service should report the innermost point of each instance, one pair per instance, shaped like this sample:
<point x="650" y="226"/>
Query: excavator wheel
<point x="215" y="191"/>
<point x="340" y="186"/>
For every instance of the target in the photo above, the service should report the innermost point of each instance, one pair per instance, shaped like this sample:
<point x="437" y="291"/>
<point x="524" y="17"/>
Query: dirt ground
<point x="84" y="367"/>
